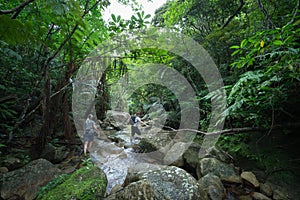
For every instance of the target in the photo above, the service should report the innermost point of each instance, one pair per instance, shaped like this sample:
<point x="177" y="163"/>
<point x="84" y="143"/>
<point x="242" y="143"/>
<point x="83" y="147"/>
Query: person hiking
<point x="89" y="132"/>
<point x="136" y="121"/>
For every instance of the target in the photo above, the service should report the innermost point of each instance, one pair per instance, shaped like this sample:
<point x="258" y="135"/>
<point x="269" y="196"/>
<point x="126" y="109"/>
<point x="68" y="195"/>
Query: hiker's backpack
<point x="132" y="120"/>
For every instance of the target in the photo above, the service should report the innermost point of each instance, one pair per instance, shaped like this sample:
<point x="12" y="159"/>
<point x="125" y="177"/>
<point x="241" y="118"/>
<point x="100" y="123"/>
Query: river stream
<point x="114" y="159"/>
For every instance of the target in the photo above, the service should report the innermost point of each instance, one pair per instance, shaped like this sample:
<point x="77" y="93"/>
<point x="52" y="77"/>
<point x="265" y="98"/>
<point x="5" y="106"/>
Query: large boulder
<point x="169" y="182"/>
<point x="213" y="185"/>
<point x="25" y="182"/>
<point x="174" y="155"/>
<point x="54" y="154"/>
<point x="136" y="171"/>
<point x="116" y="119"/>
<point x="218" y="153"/>
<point x="191" y="155"/>
<point x="160" y="140"/>
<point x="226" y="172"/>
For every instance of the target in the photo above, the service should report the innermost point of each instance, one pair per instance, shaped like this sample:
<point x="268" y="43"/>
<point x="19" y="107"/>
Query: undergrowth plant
<point x="52" y="184"/>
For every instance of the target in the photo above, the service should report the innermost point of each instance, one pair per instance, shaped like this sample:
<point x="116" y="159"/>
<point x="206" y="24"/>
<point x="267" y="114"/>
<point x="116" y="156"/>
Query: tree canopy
<point x="254" y="43"/>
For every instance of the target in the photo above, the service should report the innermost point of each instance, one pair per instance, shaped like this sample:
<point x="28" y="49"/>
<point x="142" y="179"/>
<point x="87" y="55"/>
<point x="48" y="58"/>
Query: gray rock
<point x="250" y="178"/>
<point x="135" y="172"/>
<point x="12" y="163"/>
<point x="54" y="154"/>
<point x="175" y="154"/>
<point x="245" y="197"/>
<point x="106" y="149"/>
<point x="3" y="170"/>
<point x="213" y="185"/>
<point x="191" y="155"/>
<point x="279" y="195"/>
<point x="140" y="190"/>
<point x="24" y="183"/>
<point x="166" y="183"/>
<point x="160" y="140"/>
<point x="259" y="196"/>
<point x="266" y="189"/>
<point x="219" y="154"/>
<point x="116" y="119"/>
<point x="225" y="171"/>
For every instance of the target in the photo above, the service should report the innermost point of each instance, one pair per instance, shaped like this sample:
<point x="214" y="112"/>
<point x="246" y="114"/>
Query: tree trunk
<point x="45" y="130"/>
<point x="68" y="127"/>
<point x="103" y="98"/>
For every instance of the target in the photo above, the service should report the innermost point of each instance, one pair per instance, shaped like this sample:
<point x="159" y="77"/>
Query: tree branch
<point x="297" y="8"/>
<point x="242" y="3"/>
<point x="262" y="8"/>
<point x="24" y="116"/>
<point x="17" y="9"/>
<point x="72" y="32"/>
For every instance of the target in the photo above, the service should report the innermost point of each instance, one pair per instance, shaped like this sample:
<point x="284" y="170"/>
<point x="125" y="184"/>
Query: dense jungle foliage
<point x="254" y="43"/>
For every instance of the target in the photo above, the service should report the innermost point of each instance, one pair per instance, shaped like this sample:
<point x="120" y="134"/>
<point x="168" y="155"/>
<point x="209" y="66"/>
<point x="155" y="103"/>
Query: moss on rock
<point x="86" y="183"/>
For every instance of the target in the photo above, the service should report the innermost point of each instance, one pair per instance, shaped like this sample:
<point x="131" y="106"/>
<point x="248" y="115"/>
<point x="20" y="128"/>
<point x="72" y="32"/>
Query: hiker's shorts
<point x="135" y="130"/>
<point x="89" y="135"/>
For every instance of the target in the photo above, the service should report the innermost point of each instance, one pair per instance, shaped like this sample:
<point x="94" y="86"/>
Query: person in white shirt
<point x="135" y="126"/>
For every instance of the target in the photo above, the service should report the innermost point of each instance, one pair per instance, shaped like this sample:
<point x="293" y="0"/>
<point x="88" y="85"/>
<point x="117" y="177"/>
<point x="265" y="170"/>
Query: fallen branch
<point x="237" y="130"/>
<point x="233" y="130"/>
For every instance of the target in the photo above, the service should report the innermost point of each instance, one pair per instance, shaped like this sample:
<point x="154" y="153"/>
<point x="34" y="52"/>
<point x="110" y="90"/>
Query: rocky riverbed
<point x="157" y="165"/>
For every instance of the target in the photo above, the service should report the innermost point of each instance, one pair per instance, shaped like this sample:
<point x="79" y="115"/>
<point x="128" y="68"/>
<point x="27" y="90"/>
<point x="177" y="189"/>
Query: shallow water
<point x="114" y="161"/>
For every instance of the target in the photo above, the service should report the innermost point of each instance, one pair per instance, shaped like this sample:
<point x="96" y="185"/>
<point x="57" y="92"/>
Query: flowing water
<point x="114" y="160"/>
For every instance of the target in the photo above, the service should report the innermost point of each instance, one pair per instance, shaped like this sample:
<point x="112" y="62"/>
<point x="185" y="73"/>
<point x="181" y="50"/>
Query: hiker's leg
<point x="131" y="137"/>
<point x="85" y="147"/>
<point x="138" y="131"/>
<point x="90" y="144"/>
<point x="132" y="134"/>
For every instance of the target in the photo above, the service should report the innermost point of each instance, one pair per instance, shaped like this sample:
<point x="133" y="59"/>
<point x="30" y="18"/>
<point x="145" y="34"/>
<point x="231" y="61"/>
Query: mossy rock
<point x="146" y="147"/>
<point x="85" y="183"/>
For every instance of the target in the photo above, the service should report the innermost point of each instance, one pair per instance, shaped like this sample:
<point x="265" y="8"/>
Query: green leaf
<point x="244" y="43"/>
<point x="113" y="16"/>
<point x="278" y="42"/>
<point x="133" y="18"/>
<point x="235" y="52"/>
<point x="147" y="16"/>
<point x="235" y="47"/>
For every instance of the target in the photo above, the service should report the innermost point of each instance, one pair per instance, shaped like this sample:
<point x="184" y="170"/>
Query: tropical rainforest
<point x="255" y="45"/>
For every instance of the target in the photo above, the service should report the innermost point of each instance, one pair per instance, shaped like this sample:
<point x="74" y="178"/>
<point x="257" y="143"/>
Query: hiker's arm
<point x="95" y="127"/>
<point x="142" y="122"/>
